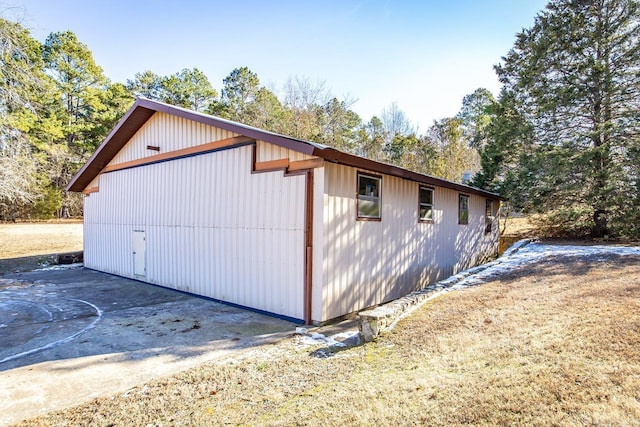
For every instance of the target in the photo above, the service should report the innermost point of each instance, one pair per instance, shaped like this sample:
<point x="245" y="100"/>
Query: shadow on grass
<point x="554" y="265"/>
<point x="30" y="263"/>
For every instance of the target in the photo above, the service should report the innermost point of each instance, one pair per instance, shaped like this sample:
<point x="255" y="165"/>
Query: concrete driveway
<point x="71" y="335"/>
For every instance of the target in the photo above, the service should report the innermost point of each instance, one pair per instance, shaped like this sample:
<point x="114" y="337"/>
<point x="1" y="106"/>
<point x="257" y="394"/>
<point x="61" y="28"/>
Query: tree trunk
<point x="600" y="224"/>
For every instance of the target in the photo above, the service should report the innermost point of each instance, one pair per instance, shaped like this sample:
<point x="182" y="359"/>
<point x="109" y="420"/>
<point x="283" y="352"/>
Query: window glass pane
<point x="368" y="186"/>
<point x="464" y="202"/>
<point x="463" y="209"/>
<point x="489" y="208"/>
<point x="426" y="196"/>
<point x="426" y="203"/>
<point x="426" y="212"/>
<point x="368" y="207"/>
<point x="488" y="216"/>
<point x="368" y="196"/>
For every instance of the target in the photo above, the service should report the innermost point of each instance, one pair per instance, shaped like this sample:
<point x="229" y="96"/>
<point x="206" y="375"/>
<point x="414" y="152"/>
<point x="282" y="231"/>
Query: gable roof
<point x="143" y="109"/>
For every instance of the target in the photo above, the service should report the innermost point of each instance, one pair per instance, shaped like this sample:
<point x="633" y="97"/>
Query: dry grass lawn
<point x="555" y="343"/>
<point x="39" y="238"/>
<point x="516" y="227"/>
<point x="24" y="246"/>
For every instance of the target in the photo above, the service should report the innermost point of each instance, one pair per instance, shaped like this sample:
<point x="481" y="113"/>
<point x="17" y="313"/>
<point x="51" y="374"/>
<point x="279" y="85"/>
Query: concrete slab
<point x="71" y="335"/>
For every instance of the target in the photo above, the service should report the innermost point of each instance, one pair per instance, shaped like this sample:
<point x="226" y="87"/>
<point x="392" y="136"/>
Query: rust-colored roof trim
<point x="141" y="112"/>
<point x="143" y="109"/>
<point x="335" y="156"/>
<point x="132" y="121"/>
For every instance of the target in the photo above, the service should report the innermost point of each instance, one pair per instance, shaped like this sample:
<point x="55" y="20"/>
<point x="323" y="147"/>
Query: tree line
<point x="57" y="106"/>
<point x="561" y="140"/>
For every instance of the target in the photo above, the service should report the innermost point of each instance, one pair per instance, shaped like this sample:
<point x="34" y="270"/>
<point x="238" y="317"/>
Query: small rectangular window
<point x="425" y="204"/>
<point x="463" y="209"/>
<point x="488" y="216"/>
<point x="368" y="196"/>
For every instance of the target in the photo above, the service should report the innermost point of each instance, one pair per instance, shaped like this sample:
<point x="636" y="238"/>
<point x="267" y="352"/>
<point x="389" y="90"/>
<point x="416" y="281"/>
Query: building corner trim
<point x="308" y="237"/>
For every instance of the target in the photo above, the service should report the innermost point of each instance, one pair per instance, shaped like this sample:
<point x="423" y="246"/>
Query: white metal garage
<point x="238" y="214"/>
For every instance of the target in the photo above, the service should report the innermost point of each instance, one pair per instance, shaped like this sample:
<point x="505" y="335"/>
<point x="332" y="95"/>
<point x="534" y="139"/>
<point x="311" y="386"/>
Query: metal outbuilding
<point x="238" y="214"/>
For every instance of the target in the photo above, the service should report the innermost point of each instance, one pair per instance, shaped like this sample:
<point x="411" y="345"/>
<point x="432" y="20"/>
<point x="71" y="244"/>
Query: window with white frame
<point x="369" y="196"/>
<point x="425" y="208"/>
<point x="463" y="209"/>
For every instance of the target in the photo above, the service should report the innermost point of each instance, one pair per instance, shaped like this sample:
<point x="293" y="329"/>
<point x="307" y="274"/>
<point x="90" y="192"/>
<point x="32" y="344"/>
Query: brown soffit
<point x="143" y="109"/>
<point x="132" y="121"/>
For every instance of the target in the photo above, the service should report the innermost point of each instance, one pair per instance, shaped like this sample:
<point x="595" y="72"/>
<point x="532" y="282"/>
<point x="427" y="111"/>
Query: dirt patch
<point x="26" y="246"/>
<point x="554" y="343"/>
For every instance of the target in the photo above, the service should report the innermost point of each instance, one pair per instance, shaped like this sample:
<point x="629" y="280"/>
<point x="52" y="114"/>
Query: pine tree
<point x="574" y="79"/>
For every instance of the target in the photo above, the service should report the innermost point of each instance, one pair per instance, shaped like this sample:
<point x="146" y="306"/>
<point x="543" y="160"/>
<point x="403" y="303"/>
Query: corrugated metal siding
<point x="212" y="228"/>
<point x="366" y="262"/>
<point x="170" y="133"/>
<point x="266" y="152"/>
<point x="94" y="183"/>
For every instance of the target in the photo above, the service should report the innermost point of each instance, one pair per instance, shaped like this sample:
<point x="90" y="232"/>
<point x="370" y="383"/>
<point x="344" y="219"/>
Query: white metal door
<point x="139" y="249"/>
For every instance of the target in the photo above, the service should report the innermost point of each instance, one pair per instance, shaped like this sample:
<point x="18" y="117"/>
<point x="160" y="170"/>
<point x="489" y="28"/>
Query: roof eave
<point x="334" y="156"/>
<point x="142" y="110"/>
<point x="103" y="154"/>
<point x="139" y="114"/>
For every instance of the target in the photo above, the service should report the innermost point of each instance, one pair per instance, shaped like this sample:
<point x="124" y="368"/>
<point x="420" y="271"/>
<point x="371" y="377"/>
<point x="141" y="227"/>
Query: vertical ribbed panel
<point x="266" y="152"/>
<point x="94" y="183"/>
<point x="170" y="133"/>
<point x="368" y="262"/>
<point x="212" y="228"/>
<point x="319" y="236"/>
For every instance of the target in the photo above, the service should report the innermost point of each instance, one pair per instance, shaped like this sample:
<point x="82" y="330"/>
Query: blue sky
<point x="424" y="55"/>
